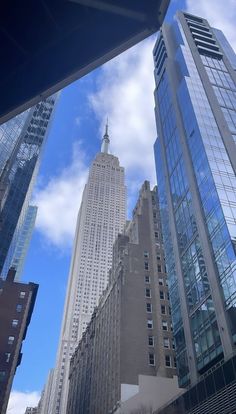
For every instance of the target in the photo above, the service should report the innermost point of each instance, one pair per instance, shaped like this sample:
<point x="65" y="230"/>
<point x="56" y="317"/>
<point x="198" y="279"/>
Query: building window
<point x="151" y="359"/>
<point x="161" y="282"/>
<point x="156" y="234"/>
<point x="162" y="296"/>
<point x="2" y="376"/>
<point x="146" y="265"/>
<point x="14" y="323"/>
<point x="159" y="268"/>
<point x="164" y="326"/>
<point x="151" y="340"/>
<point x="163" y="309"/>
<point x="7" y="356"/>
<point x="148" y="292"/>
<point x="166" y="342"/>
<point x="18" y="308"/>
<point x="168" y="361"/>
<point x="22" y="295"/>
<point x="10" y="340"/>
<point x="149" y="307"/>
<point x="146" y="254"/>
<point x="150" y="323"/>
<point x="147" y="279"/>
<point x="175" y="365"/>
<point x="169" y="310"/>
<point x="158" y="257"/>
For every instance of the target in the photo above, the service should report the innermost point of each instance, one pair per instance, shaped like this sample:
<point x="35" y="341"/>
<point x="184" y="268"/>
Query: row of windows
<point x="163" y="295"/>
<point x="163" y="309"/>
<point x="21" y="294"/>
<point x="113" y="168"/>
<point x="165" y="326"/>
<point x="161" y="280"/>
<point x="166" y="342"/>
<point x="159" y="267"/>
<point x="169" y="360"/>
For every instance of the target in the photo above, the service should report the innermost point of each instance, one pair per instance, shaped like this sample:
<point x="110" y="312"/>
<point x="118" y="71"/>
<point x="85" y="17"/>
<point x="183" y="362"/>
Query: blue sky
<point x="122" y="90"/>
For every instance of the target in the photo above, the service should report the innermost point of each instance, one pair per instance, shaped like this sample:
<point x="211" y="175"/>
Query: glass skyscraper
<point x="195" y="153"/>
<point x="20" y="242"/>
<point x="21" y="142"/>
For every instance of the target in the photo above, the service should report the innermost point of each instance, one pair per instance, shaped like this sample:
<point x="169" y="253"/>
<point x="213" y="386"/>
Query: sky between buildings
<point x="121" y="90"/>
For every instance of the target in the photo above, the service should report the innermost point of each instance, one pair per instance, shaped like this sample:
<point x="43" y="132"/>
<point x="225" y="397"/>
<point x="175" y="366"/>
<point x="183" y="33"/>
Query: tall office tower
<point x="101" y="217"/>
<point x="20" y="242"/>
<point x="125" y="361"/>
<point x="21" y="143"/>
<point x="16" y="304"/>
<point x="196" y="163"/>
<point x="44" y="403"/>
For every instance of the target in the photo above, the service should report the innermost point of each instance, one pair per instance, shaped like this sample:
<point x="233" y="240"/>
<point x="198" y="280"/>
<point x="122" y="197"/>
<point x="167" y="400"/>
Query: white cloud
<point x="19" y="401"/>
<point x="125" y="95"/>
<point x="77" y="121"/>
<point x="220" y="14"/>
<point x="59" y="201"/>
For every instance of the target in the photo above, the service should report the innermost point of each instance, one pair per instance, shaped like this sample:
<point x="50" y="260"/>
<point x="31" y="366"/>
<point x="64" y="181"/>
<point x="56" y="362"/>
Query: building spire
<point x="105" y="140"/>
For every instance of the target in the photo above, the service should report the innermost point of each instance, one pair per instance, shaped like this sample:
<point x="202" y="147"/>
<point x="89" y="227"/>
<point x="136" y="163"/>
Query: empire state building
<point x="101" y="217"/>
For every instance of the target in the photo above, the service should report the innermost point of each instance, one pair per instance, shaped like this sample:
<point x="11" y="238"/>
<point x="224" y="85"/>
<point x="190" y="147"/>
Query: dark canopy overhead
<point x="46" y="44"/>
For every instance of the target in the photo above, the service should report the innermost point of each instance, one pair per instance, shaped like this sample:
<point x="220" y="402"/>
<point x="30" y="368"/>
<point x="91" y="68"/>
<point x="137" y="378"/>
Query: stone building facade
<point x="102" y="215"/>
<point x="130" y="333"/>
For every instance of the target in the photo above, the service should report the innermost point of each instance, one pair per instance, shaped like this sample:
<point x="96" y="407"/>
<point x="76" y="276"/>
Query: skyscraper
<point x="196" y="163"/>
<point x="101" y="217"/>
<point x="16" y="305"/>
<point x="44" y="402"/>
<point x="21" y="143"/>
<point x="125" y="360"/>
<point x="20" y="242"/>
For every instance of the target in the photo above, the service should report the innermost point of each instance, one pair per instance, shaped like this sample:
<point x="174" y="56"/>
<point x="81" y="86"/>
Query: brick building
<point x="16" y="307"/>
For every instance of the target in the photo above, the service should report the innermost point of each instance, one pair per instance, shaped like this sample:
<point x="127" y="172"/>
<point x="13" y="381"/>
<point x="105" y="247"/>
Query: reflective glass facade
<point x="215" y="393"/>
<point x="20" y="242"/>
<point x="21" y="143"/>
<point x="195" y="160"/>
